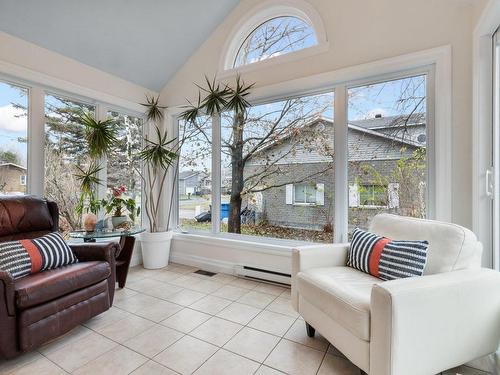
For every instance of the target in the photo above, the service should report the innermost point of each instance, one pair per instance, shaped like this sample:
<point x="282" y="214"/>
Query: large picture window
<point x="278" y="163"/>
<point x="123" y="164"/>
<point x="64" y="153"/>
<point x="387" y="139"/>
<point x="284" y="144"/>
<point x="13" y="139"/>
<point x="195" y="175"/>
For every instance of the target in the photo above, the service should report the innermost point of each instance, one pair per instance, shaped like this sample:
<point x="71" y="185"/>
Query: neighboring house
<point x="375" y="147"/>
<point x="194" y="182"/>
<point x="12" y="179"/>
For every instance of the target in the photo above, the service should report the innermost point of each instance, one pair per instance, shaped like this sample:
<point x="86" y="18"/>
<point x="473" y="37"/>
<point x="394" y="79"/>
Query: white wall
<point x="361" y="31"/>
<point x="40" y="62"/>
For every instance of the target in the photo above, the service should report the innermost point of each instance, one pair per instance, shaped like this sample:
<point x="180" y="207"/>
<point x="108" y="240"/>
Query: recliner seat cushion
<point x="48" y="285"/>
<point x="343" y="293"/>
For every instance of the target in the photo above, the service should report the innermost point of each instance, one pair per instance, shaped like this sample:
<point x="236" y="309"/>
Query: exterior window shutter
<point x="393" y="195"/>
<point x="320" y="194"/>
<point x="289" y="194"/>
<point x="353" y="195"/>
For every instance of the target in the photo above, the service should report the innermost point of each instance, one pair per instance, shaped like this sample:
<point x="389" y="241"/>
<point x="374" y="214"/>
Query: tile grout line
<point x="182" y="307"/>
<point x="281" y="338"/>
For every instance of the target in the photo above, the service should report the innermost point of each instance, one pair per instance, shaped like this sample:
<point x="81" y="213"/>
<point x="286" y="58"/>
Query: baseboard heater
<point x="261" y="274"/>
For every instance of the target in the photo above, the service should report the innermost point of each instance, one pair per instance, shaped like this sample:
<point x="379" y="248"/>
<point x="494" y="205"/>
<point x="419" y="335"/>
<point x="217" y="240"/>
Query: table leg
<point x="123" y="259"/>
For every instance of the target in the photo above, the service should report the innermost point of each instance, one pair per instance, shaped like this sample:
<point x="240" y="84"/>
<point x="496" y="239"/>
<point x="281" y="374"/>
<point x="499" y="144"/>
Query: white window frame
<point x="435" y="63"/>
<point x="483" y="177"/>
<point x="9" y="81"/>
<point x="258" y="15"/>
<point x="39" y="85"/>
<point x="305" y="203"/>
<point x="374" y="206"/>
<point x="22" y="179"/>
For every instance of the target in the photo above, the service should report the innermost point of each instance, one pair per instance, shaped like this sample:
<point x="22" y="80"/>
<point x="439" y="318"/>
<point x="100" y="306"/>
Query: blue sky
<point x="388" y="99"/>
<point x="12" y="127"/>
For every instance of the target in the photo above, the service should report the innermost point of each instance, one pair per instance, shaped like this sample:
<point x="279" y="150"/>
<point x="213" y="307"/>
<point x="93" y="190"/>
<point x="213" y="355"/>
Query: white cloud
<point x="11" y="119"/>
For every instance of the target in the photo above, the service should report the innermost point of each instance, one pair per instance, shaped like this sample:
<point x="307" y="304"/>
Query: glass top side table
<point x="127" y="241"/>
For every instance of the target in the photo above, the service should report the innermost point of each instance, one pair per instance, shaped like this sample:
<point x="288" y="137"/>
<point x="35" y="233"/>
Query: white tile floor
<point x="172" y="321"/>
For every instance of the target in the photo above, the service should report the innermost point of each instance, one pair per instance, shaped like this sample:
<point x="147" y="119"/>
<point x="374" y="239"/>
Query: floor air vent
<point x="205" y="273"/>
<point x="261" y="274"/>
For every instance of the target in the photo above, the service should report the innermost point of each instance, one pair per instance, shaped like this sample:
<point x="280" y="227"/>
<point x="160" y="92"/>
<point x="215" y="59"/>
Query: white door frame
<point x="482" y="132"/>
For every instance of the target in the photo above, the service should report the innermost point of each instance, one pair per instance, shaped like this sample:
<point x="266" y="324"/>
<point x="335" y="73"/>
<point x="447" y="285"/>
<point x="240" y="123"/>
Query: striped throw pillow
<point x="385" y="258"/>
<point x="25" y="257"/>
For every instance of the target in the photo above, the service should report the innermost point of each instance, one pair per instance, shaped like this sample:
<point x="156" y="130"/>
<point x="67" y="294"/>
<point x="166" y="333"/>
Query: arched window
<point x="275" y="37"/>
<point x="273" y="31"/>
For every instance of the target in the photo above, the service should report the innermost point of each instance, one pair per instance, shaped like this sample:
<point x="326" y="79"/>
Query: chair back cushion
<point x="451" y="247"/>
<point x="385" y="258"/>
<point x="24" y="217"/>
<point x="24" y="257"/>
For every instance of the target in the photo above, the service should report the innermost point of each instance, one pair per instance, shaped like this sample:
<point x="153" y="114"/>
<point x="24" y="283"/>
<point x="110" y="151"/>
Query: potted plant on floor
<point x="158" y="155"/>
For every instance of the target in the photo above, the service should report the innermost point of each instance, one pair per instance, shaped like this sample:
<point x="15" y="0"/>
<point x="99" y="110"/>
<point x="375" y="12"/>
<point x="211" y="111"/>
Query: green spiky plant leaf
<point x="237" y="97"/>
<point x="216" y="97"/>
<point x="88" y="177"/>
<point x="158" y="154"/>
<point x="88" y="184"/>
<point x="154" y="111"/>
<point x="192" y="111"/>
<point x="100" y="135"/>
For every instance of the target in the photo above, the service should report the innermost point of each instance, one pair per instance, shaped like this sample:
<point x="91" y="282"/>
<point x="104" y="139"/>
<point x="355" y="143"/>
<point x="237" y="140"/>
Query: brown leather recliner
<point x="40" y="307"/>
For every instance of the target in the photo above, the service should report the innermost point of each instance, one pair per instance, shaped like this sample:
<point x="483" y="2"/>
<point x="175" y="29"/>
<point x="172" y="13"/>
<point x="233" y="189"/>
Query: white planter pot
<point x="155" y="249"/>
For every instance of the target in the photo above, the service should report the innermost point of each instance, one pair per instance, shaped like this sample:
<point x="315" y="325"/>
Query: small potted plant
<point x="117" y="205"/>
<point x="88" y="204"/>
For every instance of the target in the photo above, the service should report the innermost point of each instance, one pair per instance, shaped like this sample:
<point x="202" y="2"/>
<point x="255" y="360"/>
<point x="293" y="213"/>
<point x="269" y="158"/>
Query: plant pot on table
<point x="118" y="220"/>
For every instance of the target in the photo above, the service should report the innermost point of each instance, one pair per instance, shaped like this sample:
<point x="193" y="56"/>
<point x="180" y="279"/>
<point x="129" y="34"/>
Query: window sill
<point x="306" y="204"/>
<point x="278" y="60"/>
<point x="371" y="207"/>
<point x="276" y="246"/>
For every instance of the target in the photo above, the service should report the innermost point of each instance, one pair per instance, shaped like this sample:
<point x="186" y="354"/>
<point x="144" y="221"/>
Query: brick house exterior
<point x="375" y="147"/>
<point x="12" y="179"/>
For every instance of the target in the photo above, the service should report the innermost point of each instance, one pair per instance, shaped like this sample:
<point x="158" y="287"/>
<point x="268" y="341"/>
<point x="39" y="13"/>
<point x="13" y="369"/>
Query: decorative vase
<point x="117" y="220"/>
<point x="89" y="222"/>
<point x="155" y="249"/>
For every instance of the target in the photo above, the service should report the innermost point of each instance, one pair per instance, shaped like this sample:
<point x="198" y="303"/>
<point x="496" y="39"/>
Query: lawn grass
<point x="265" y="230"/>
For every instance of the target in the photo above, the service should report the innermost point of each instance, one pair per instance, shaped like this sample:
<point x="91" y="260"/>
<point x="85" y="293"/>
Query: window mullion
<point x="216" y="172"/>
<point x="36" y="141"/>
<point x="101" y="115"/>
<point x="341" y="162"/>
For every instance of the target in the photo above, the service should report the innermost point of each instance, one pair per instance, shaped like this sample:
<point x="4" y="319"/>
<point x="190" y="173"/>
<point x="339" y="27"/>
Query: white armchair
<point x="413" y="326"/>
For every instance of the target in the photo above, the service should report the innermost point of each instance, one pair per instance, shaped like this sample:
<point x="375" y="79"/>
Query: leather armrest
<point x="105" y="251"/>
<point x="8" y="292"/>
<point x="315" y="256"/>
<point x="447" y="318"/>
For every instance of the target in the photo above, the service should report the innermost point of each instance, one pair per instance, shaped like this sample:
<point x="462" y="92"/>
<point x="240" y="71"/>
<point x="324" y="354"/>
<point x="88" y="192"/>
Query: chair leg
<point x="310" y="330"/>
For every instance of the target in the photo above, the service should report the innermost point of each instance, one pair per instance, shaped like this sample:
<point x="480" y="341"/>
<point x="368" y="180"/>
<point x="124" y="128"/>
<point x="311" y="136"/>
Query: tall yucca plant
<point x="158" y="155"/>
<point x="100" y="135"/>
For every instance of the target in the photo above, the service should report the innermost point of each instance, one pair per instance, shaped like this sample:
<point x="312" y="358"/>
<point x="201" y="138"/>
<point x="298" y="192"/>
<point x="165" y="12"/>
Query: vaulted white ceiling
<point x="142" y="41"/>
